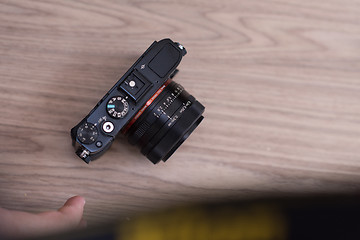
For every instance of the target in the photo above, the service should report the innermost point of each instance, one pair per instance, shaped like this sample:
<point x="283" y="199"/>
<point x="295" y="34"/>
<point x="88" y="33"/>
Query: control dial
<point x="117" y="107"/>
<point x="87" y="133"/>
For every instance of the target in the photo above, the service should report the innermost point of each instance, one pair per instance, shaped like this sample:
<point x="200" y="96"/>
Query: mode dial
<point x="117" y="107"/>
<point x="87" y="133"/>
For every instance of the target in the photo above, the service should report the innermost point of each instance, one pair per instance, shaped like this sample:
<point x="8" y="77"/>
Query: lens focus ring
<point x="161" y="128"/>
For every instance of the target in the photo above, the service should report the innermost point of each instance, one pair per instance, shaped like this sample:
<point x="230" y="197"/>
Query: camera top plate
<point x="95" y="133"/>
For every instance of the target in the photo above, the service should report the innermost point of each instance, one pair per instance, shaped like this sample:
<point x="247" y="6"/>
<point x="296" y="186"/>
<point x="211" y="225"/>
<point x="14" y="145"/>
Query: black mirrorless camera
<point x="154" y="112"/>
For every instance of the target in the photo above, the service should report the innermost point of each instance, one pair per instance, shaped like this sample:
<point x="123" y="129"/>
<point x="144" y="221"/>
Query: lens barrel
<point x="166" y="123"/>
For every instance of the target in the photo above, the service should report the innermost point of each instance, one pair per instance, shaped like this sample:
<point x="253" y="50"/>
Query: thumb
<point x="73" y="208"/>
<point x="68" y="216"/>
<point x="16" y="224"/>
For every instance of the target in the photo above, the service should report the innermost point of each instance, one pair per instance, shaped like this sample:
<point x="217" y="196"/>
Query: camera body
<point x="127" y="99"/>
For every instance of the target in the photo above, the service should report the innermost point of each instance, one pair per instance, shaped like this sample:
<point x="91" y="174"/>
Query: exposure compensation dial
<point x="87" y="133"/>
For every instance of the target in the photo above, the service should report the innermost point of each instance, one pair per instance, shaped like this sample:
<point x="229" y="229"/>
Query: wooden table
<point x="280" y="81"/>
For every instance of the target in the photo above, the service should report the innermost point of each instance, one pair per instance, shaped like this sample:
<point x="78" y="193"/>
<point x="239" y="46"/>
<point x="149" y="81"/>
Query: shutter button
<point x="108" y="127"/>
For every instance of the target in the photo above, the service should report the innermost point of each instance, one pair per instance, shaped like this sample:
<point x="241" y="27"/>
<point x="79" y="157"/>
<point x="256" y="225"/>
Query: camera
<point x="146" y="105"/>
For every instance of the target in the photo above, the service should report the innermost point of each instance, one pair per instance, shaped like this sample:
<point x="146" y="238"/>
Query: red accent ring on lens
<point x="147" y="104"/>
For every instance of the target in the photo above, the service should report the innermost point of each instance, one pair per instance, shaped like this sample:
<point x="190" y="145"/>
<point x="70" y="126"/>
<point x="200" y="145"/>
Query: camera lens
<point x="165" y="122"/>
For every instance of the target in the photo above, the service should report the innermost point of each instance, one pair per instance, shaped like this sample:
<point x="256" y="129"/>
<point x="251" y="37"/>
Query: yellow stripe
<point x="224" y="223"/>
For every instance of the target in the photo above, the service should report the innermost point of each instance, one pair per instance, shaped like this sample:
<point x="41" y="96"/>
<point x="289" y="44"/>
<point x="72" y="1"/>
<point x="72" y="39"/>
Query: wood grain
<point x="280" y="81"/>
